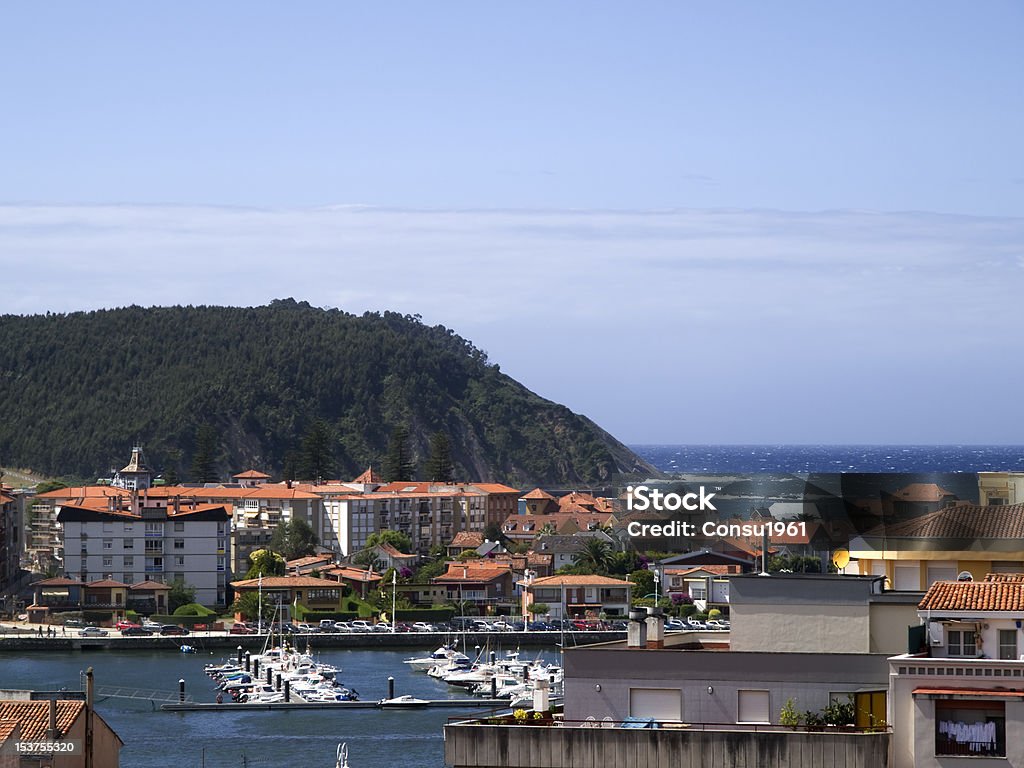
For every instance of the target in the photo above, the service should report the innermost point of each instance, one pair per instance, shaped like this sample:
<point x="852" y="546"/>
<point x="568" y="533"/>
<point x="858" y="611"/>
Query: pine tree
<point x="439" y="466"/>
<point x="316" y="461"/>
<point x="399" y="465"/>
<point x="204" y="460"/>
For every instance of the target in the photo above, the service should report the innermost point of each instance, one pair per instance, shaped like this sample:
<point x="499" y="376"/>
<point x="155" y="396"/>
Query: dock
<point x="189" y="706"/>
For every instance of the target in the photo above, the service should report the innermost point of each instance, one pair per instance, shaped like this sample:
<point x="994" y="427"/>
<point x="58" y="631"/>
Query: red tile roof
<point x="311" y="560"/>
<point x="355" y="574"/>
<point x="570" y="580"/>
<point x="974" y="596"/>
<point x="58" y="581"/>
<point x="149" y="585"/>
<point x="105" y="584"/>
<point x="251" y="474"/>
<point x="5" y="499"/>
<point x="34" y="716"/>
<point x="463" y="573"/>
<point x="368" y="477"/>
<point x="538" y="493"/>
<point x="1004" y="577"/>
<point x="391" y="552"/>
<point x="963" y="521"/>
<point x="471" y="539"/>
<point x="277" y="582"/>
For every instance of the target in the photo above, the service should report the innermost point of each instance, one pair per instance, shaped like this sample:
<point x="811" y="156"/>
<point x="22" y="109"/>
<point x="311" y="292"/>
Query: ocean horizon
<point x="800" y="459"/>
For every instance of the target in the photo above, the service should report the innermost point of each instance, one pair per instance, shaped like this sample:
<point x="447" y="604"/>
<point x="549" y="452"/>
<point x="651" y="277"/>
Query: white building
<point x="149" y="538"/>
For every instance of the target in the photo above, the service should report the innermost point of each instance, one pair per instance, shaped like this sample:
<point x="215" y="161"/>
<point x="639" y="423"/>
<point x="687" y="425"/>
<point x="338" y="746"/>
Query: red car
<point x="127" y="625"/>
<point x="241" y="628"/>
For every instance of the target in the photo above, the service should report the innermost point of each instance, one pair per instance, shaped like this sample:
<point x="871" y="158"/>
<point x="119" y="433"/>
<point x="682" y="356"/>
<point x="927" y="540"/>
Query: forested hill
<point x="78" y="390"/>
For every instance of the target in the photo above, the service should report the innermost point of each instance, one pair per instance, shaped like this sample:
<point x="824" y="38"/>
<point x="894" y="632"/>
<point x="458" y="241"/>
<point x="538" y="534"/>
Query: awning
<point x="968" y="693"/>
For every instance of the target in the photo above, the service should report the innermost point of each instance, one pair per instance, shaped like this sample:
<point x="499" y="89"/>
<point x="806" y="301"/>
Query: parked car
<point x="327" y="625"/>
<point x="92" y="632"/>
<point x="136" y="630"/>
<point x="676" y="624"/>
<point x="342" y="626"/>
<point x="173" y="629"/>
<point x="74" y="623"/>
<point x="305" y="628"/>
<point x="124" y="624"/>
<point x="422" y="626"/>
<point x="716" y="624"/>
<point x="153" y="625"/>
<point x="538" y="626"/>
<point x="238" y="628"/>
<point x="361" y="625"/>
<point x="381" y="626"/>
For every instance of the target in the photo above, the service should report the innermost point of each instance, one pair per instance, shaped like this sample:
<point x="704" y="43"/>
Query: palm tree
<point x="595" y="556"/>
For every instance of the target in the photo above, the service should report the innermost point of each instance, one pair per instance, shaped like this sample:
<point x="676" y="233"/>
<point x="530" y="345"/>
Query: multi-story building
<point x="149" y="538"/>
<point x="578" y="596"/>
<point x="44" y="539"/>
<point x="10" y="541"/>
<point x="429" y="514"/>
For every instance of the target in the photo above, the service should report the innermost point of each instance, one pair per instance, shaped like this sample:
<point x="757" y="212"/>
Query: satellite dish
<point x="965" y="576"/>
<point x="841" y="558"/>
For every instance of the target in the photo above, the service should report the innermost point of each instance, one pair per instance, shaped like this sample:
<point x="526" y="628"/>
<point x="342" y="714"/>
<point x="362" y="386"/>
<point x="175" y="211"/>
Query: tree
<point x="595" y="556"/>
<point x="50" y="485"/>
<point x="204" y="458"/>
<point x="537" y="609"/>
<point x="643" y="583"/>
<point x="248" y="604"/>
<point x="399" y="465"/>
<point x="439" y="466"/>
<point x="180" y="594"/>
<point x="265" y="562"/>
<point x="316" y="460"/>
<point x="294" y="539"/>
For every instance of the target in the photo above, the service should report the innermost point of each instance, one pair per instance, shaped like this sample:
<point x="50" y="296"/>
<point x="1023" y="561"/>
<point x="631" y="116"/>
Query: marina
<point x="204" y="734"/>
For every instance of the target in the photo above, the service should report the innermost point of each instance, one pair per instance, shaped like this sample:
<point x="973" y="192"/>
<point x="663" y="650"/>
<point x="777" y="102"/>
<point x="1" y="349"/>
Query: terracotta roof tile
<point x="251" y="474"/>
<point x="34" y="716"/>
<point x="463" y="573"/>
<point x="467" y="539"/>
<point x="1004" y="577"/>
<point x="576" y="579"/>
<point x="974" y="596"/>
<point x="923" y="492"/>
<point x="105" y="584"/>
<point x="368" y="477"/>
<point x="311" y="560"/>
<point x="58" y="581"/>
<point x="390" y="551"/>
<point x="963" y="521"/>
<point x="275" y="582"/>
<point x="539" y="493"/>
<point x="7" y="728"/>
<point x="149" y="585"/>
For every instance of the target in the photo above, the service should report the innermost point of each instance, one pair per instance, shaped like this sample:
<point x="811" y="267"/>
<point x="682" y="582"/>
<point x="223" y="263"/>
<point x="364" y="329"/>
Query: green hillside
<point x="78" y="390"/>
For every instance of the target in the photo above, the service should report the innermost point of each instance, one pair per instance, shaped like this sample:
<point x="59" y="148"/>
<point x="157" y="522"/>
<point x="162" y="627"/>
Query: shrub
<point x="788" y="715"/>
<point x="193" y="609"/>
<point x="714" y="613"/>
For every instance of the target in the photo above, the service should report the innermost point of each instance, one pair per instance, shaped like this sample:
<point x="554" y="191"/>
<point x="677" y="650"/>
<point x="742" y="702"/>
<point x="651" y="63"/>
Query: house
<point x="149" y="597"/>
<point x="578" y="596"/>
<point x="306" y="592"/>
<point x="489" y="586"/>
<point x="386" y="556"/>
<point x="303" y="566"/>
<point x="940" y="546"/>
<point x="565" y="548"/>
<point x="61" y="717"/>
<point x="916" y="499"/>
<point x="361" y="581"/>
<point x="962" y="696"/>
<point x="538" y="502"/>
<point x="706" y="585"/>
<point x="464" y="541"/>
<point x="251" y="478"/>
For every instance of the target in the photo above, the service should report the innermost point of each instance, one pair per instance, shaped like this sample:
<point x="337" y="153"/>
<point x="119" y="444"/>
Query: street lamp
<point x="394" y="592"/>
<point x="657" y="584"/>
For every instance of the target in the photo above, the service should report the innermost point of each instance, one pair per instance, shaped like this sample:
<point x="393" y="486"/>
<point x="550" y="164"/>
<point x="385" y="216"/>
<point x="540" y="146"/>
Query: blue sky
<point x="741" y="222"/>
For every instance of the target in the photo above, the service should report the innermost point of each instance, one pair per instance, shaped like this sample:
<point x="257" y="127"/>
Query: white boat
<point x="403" y="701"/>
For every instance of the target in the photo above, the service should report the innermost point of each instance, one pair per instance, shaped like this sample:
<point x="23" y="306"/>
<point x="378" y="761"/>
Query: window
<point x="129" y="543"/>
<point x="179" y="559"/>
<point x="108" y="562"/>
<point x="129" y="577"/>
<point x="961" y="642"/>
<point x="663" y="704"/>
<point x="129" y="561"/>
<point x="179" y="525"/>
<point x="128" y="527"/>
<point x="108" y="543"/>
<point x="970" y="728"/>
<point x="179" y="543"/>
<point x="1008" y="644"/>
<point x="753" y="707"/>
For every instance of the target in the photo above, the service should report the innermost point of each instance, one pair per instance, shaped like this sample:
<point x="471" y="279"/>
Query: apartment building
<point x="10" y="540"/>
<point x="149" y="538"/>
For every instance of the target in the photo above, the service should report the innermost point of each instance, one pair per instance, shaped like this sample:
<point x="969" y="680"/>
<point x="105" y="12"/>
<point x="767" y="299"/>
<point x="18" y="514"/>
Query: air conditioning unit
<point x="936" y="634"/>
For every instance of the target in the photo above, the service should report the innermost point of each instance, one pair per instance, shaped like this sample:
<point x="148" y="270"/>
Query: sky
<point x="692" y="222"/>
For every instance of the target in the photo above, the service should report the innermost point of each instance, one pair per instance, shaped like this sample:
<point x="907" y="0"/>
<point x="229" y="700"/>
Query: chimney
<point x="51" y="732"/>
<point x="655" y="628"/>
<point x="636" y="636"/>
<point x="88" y="689"/>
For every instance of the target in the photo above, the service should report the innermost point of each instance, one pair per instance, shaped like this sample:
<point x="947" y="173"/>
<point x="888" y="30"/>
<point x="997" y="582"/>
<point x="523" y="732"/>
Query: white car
<point x="361" y="625"/>
<point x="422" y="626"/>
<point x="381" y="626"/>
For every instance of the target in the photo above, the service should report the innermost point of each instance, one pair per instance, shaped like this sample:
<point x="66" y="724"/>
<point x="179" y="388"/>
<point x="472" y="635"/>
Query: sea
<point x="412" y="738"/>
<point x="805" y="459"/>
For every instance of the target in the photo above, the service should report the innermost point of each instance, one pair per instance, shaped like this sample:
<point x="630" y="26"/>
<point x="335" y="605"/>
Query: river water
<point x="306" y="738"/>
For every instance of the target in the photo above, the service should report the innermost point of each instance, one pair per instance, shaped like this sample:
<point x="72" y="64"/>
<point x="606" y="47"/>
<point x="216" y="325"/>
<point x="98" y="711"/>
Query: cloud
<point x="754" y="290"/>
